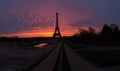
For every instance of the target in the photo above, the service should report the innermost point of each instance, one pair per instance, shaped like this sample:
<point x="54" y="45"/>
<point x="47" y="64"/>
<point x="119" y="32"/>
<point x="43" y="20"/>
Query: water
<point x="41" y="45"/>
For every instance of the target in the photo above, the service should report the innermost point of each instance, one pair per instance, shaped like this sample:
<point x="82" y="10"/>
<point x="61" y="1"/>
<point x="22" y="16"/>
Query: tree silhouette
<point x="106" y="33"/>
<point x="109" y="35"/>
<point x="110" y="32"/>
<point x="91" y="30"/>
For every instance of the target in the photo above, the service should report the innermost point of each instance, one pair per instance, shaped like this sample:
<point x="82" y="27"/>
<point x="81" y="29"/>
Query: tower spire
<point x="57" y="19"/>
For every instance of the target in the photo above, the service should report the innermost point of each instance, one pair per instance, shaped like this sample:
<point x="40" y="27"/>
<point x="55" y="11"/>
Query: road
<point x="55" y="57"/>
<point x="65" y="59"/>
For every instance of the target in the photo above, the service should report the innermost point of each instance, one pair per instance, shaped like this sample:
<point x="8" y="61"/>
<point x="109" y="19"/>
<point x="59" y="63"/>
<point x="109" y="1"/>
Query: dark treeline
<point x="18" y="39"/>
<point x="108" y="35"/>
<point x="24" y="41"/>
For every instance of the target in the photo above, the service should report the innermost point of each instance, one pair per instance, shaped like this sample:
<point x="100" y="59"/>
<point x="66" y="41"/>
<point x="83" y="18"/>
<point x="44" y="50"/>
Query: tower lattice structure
<point x="57" y="33"/>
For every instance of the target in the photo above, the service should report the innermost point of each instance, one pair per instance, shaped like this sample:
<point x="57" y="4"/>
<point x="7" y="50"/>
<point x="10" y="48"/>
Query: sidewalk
<point x="77" y="63"/>
<point x="49" y="63"/>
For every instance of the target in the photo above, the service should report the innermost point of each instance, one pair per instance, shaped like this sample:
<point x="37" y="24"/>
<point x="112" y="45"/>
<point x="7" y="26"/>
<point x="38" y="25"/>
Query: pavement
<point x="64" y="58"/>
<point x="76" y="63"/>
<point x="49" y="63"/>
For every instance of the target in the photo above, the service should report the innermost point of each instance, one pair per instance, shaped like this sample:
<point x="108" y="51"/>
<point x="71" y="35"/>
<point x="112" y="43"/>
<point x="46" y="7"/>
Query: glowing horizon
<point x="45" y="33"/>
<point x="37" y="34"/>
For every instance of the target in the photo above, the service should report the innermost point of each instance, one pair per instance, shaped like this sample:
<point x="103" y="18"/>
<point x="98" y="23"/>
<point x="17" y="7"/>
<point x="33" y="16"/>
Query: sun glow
<point x="47" y="34"/>
<point x="29" y="34"/>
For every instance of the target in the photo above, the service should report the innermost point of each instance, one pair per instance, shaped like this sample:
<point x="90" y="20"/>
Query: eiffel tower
<point x="57" y="30"/>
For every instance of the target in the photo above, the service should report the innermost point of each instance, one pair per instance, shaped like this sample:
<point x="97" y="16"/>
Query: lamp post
<point x="25" y="56"/>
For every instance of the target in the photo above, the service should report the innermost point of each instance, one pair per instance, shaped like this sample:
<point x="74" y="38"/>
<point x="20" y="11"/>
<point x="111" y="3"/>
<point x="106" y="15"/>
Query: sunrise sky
<point x="31" y="18"/>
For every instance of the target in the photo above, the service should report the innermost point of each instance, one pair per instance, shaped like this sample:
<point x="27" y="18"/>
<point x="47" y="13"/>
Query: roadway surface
<point x="56" y="56"/>
<point x="62" y="58"/>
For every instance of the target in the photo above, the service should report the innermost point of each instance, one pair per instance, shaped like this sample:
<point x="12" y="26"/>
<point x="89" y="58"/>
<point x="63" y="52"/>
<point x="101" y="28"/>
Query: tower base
<point x="57" y="33"/>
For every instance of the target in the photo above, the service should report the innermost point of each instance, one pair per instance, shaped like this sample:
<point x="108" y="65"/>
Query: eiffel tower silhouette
<point x="57" y="30"/>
